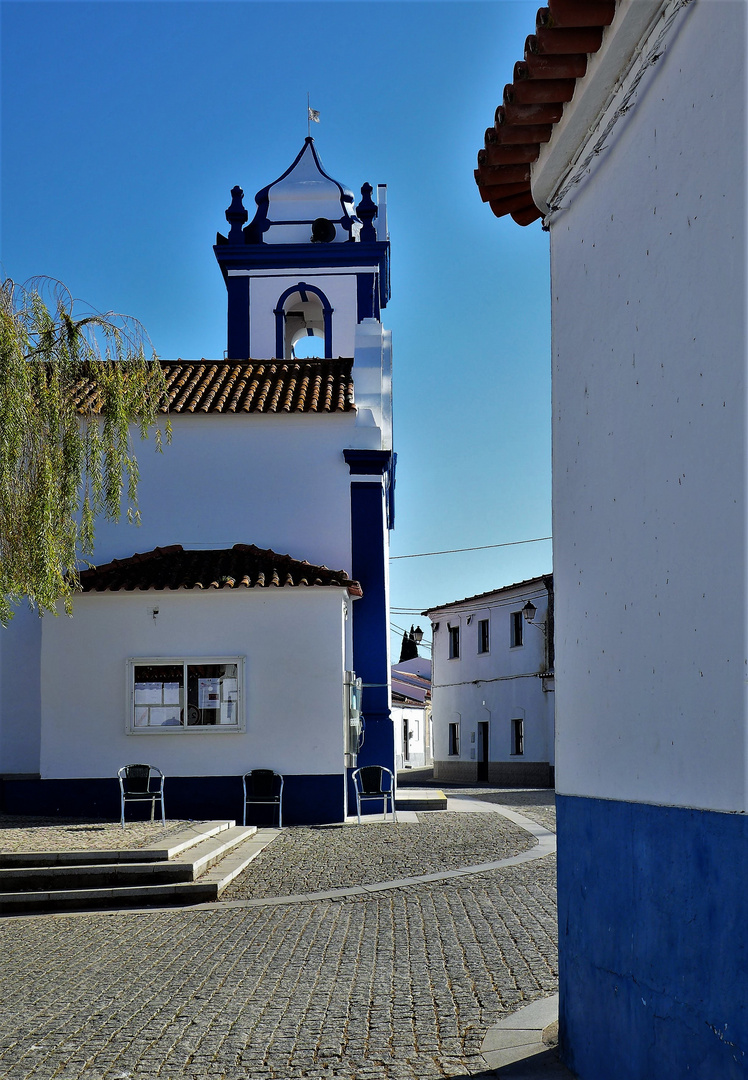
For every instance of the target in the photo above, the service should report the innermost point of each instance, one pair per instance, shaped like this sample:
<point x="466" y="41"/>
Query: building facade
<point x="492" y="689"/>
<point x="227" y="644"/>
<point x="640" y="178"/>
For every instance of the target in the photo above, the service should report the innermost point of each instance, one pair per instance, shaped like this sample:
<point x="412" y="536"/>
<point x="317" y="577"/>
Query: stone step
<point x="185" y="867"/>
<point x="211" y="866"/>
<point x="168" y="848"/>
<point x="420" y="799"/>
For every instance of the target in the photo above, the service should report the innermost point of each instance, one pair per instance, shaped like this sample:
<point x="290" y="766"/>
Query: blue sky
<point x="125" y="125"/>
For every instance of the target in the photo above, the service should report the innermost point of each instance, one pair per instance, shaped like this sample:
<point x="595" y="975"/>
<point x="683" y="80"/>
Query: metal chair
<point x="135" y="786"/>
<point x="265" y="787"/>
<point x="369" y="783"/>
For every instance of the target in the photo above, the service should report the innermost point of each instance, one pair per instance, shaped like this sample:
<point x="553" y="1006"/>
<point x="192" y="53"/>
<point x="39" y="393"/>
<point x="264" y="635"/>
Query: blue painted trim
<point x="370" y="612"/>
<point x="367" y="462"/>
<point x="391" y="492"/>
<point x="365" y="296"/>
<point x="307" y="799"/>
<point x="237" y="318"/>
<point x="307" y="256"/>
<point x="653" y="946"/>
<point x="280" y="316"/>
<point x="376" y="463"/>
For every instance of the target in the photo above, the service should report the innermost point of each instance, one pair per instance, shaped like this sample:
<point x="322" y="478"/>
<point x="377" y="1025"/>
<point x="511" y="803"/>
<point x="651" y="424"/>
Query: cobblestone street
<point x="400" y="985"/>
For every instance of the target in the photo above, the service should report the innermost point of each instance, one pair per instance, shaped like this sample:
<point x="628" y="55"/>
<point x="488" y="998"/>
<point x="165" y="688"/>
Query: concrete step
<point x="420" y="799"/>
<point x="203" y="874"/>
<point x="168" y="848"/>
<point x="185" y="867"/>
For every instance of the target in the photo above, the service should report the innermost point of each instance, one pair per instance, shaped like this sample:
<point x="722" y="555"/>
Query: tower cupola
<point x="310" y="263"/>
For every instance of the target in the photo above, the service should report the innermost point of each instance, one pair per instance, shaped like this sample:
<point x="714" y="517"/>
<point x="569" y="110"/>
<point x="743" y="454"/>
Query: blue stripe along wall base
<point x="653" y="941"/>
<point x="307" y="800"/>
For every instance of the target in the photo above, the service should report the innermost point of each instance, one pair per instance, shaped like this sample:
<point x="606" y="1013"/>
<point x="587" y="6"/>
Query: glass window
<point x="516" y="629"/>
<point x="483" y="636"/>
<point x="454" y="642"/>
<point x="180" y="695"/>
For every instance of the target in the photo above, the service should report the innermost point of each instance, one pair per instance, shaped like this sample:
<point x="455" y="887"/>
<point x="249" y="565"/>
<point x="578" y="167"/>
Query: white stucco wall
<point x="297" y="646"/>
<point x="497" y="686"/>
<point x="264" y="292"/>
<point x="19" y="692"/>
<point x="649" y="432"/>
<point x="274" y="481"/>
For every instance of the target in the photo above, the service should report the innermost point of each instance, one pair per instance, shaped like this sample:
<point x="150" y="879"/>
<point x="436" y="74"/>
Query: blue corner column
<point x="370" y="517"/>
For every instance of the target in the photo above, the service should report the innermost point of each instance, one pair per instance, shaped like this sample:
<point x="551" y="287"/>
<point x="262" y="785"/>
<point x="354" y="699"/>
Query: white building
<point x="492" y="688"/>
<point x="226" y="645"/>
<point x="641" y="180"/>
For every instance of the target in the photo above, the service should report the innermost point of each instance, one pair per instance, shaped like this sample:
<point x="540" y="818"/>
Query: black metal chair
<point x="369" y="783"/>
<point x="265" y="787"/>
<point x="135" y="786"/>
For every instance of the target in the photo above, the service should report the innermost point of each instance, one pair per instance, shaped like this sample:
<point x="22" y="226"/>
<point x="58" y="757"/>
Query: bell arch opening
<point x="303" y="311"/>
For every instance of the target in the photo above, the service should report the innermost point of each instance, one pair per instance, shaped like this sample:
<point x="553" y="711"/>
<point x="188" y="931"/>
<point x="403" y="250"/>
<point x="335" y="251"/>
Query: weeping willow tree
<point x="72" y="390"/>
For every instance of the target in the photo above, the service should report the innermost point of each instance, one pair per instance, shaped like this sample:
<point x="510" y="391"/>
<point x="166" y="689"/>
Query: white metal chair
<point x="369" y="783"/>
<point x="135" y="786"/>
<point x="265" y="787"/>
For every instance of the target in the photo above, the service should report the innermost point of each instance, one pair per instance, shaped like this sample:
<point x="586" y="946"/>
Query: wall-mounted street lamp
<point x="417" y="634"/>
<point x="529" y="611"/>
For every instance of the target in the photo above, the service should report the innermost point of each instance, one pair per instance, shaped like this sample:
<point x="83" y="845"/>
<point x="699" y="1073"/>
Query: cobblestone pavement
<point x="539" y="804"/>
<point x="313" y="860"/>
<point x="79" y="834"/>
<point x="401" y="985"/>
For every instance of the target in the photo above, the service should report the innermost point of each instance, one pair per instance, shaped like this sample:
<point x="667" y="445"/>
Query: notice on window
<point x="148" y="693"/>
<point x="171" y="693"/>
<point x="209" y="693"/>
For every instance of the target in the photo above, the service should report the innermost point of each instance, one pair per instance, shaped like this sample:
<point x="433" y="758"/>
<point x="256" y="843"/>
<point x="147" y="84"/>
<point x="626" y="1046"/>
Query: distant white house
<point x="492" y="688"/>
<point x="411" y="712"/>
<point x="226" y="643"/>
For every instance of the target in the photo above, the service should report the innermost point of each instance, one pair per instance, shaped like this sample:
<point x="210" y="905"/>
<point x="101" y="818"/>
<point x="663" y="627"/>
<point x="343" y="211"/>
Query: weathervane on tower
<point x="311" y="114"/>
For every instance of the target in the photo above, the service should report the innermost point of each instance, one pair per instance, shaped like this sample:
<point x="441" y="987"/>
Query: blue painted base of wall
<point x="307" y="800"/>
<point x="378" y="749"/>
<point x="653" y="941"/>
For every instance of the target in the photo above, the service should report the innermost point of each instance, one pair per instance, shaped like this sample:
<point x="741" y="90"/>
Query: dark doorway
<point x="483" y="750"/>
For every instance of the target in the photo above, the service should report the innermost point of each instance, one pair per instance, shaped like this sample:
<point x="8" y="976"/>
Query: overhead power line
<point x="481" y="547"/>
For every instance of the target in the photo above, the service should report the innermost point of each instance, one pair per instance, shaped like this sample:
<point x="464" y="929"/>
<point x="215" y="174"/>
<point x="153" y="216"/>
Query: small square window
<point x="483" y="636"/>
<point x="454" y="740"/>
<point x="454" y="642"/>
<point x="518" y="737"/>
<point x="516" y="629"/>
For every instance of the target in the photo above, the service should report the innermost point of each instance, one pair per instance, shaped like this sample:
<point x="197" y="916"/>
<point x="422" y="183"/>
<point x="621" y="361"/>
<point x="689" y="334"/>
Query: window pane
<point x="158" y="695"/>
<point x="212" y="694"/>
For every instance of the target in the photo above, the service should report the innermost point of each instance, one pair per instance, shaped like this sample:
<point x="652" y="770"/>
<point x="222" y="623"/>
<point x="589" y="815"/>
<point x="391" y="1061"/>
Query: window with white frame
<point x="454" y="740"/>
<point x="516" y="629"/>
<point x="454" y="642"/>
<point x="179" y="695"/>
<point x="483" y="636"/>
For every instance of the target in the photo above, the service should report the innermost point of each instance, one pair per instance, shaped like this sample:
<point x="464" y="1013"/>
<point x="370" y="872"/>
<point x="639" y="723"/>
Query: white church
<point x="230" y="630"/>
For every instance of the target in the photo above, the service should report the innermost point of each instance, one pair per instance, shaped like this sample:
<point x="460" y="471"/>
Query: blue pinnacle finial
<point x="367" y="211"/>
<point x="236" y="215"/>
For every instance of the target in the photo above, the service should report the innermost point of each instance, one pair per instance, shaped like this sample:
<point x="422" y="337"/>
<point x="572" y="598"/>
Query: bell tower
<point x="310" y="264"/>
<point x="314" y="264"/>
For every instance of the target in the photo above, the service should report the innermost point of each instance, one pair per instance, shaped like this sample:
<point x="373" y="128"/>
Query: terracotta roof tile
<point x="242" y="566"/>
<point x="249" y="386"/>
<point x="566" y="33"/>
